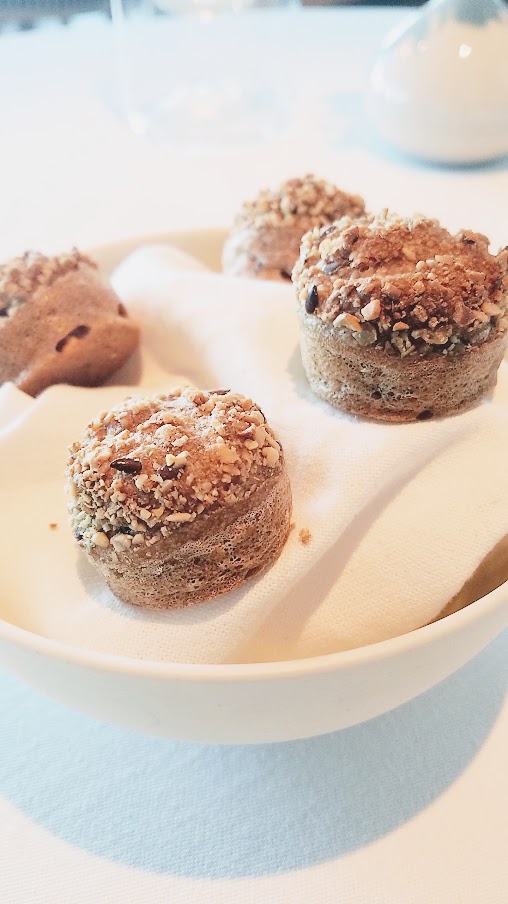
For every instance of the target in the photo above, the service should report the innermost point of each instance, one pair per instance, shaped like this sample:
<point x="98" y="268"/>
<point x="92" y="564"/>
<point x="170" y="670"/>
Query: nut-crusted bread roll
<point x="180" y="497"/>
<point x="60" y="323"/>
<point x="400" y="321"/>
<point x="265" y="239"/>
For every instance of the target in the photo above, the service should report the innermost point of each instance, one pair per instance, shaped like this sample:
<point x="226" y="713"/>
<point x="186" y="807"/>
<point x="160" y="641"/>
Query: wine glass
<point x="202" y="72"/>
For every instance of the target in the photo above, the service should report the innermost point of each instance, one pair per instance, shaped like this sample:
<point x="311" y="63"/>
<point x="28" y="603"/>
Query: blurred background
<point x="26" y="14"/>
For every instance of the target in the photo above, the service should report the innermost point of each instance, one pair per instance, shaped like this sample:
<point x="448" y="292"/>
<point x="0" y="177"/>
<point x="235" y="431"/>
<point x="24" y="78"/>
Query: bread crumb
<point x="292" y="526"/>
<point x="53" y="525"/>
<point x="305" y="536"/>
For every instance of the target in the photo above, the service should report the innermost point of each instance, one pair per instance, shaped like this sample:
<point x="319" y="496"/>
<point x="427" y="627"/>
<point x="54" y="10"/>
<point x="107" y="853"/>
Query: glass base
<point x="210" y="115"/>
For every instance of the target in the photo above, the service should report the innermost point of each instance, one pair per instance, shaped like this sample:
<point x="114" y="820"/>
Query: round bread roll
<point x="60" y="323"/>
<point x="400" y="320"/>
<point x="179" y="498"/>
<point x="265" y="240"/>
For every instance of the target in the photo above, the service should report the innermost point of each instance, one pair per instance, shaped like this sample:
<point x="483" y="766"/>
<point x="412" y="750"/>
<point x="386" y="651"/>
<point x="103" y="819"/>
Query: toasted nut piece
<point x="349" y="321"/>
<point x="100" y="539"/>
<point x="493" y="310"/>
<point x="372" y="310"/>
<point x="226" y="454"/>
<point x="271" y="456"/>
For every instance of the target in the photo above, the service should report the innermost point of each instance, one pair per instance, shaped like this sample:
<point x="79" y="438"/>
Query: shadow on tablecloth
<point x="214" y="812"/>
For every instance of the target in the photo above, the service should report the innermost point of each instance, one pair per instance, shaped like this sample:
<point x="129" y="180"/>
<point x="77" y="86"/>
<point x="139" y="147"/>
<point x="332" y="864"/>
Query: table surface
<point x="406" y="809"/>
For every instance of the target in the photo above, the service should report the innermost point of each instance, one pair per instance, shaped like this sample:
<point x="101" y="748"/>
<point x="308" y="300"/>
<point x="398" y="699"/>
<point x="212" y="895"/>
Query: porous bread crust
<point x="265" y="240"/>
<point x="190" y="566"/>
<point x="66" y="326"/>
<point x="266" y="252"/>
<point x="404" y="285"/>
<point x="370" y="384"/>
<point x="163" y="489"/>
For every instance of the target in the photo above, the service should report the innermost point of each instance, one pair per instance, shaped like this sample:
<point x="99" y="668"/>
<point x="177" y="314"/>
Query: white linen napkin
<point x="399" y="517"/>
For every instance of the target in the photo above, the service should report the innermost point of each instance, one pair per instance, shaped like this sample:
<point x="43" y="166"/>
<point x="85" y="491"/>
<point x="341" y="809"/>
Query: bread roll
<point x="60" y="323"/>
<point x="179" y="498"/>
<point x="400" y="321"/>
<point x="265" y="240"/>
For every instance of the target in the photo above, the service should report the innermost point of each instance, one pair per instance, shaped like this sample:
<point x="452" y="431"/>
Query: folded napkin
<point x="397" y="518"/>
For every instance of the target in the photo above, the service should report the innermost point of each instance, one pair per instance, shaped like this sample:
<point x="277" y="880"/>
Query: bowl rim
<point x="259" y="671"/>
<point x="254" y="671"/>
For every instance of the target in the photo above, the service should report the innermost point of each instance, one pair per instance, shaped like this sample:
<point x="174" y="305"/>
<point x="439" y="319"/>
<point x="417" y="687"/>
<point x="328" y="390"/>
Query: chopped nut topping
<point x="310" y="198"/>
<point x="179" y="517"/>
<point x="151" y="465"/>
<point x="121" y="542"/>
<point x="22" y="276"/>
<point x="227" y="455"/>
<point x="420" y="289"/>
<point x="372" y="310"/>
<point x="100" y="539"/>
<point x="349" y="321"/>
<point x="271" y="456"/>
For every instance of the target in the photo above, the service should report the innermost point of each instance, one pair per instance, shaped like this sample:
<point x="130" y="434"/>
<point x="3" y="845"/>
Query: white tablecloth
<point x="410" y="808"/>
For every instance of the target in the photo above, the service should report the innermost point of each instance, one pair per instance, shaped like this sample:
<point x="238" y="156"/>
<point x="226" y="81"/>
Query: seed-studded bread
<point x="180" y="497"/>
<point x="265" y="240"/>
<point x="60" y="323"/>
<point x="400" y="320"/>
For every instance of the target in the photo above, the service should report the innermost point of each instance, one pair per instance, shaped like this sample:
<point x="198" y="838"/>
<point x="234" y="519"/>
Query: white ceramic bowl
<point x="254" y="703"/>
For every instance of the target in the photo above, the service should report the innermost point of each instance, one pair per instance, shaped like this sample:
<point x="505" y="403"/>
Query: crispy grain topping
<point x="21" y="276"/>
<point x="406" y="286"/>
<point x="152" y="464"/>
<point x="308" y="198"/>
<point x="127" y="465"/>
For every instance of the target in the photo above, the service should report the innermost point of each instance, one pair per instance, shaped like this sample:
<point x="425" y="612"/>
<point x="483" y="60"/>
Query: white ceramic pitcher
<point x="439" y="88"/>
